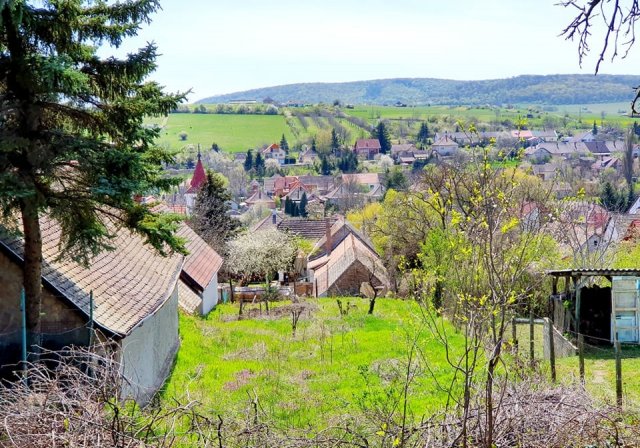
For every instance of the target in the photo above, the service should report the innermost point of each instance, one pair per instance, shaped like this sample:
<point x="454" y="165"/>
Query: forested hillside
<point x="550" y="89"/>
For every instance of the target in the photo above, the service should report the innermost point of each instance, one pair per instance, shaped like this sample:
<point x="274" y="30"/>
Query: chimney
<point x="273" y="216"/>
<point x="328" y="237"/>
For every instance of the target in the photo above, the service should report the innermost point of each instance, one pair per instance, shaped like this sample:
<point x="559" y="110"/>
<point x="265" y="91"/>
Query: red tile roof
<point x="203" y="263"/>
<point x="368" y="143"/>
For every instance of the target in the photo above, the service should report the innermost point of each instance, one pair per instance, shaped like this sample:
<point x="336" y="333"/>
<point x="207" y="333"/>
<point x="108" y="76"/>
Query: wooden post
<point x="581" y="357"/>
<point x="91" y="304"/>
<point x="552" y="349"/>
<point x="618" y="375"/>
<point x="514" y="335"/>
<point x="531" y="337"/>
<point x="578" y="303"/>
<point x="23" y="332"/>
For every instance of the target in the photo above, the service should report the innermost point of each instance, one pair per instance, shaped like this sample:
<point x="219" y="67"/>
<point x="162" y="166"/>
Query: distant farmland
<point x="233" y="133"/>
<point x="238" y="132"/>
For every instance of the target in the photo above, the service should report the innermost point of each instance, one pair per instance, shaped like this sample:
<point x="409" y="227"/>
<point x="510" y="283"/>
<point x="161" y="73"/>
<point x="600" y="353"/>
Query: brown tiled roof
<point x="362" y="178"/>
<point x="310" y="229"/>
<point x="259" y="197"/>
<point x="203" y="263"/>
<point x="328" y="269"/>
<point x="129" y="283"/>
<point x="188" y="300"/>
<point x="367" y="143"/>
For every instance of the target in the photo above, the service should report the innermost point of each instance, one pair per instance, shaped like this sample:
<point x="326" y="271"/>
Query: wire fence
<point x="607" y="370"/>
<point x="61" y="326"/>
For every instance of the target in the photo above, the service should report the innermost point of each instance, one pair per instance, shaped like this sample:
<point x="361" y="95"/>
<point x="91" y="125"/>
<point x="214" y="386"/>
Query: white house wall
<point x="210" y="296"/>
<point x="148" y="352"/>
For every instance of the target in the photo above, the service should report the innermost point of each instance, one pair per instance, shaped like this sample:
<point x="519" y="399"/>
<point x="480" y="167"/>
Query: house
<point x="318" y="184"/>
<point x="604" y="163"/>
<point x="131" y="294"/>
<point x="308" y="157"/>
<point x="370" y="180"/>
<point x="402" y="149"/>
<point x="470" y="138"/>
<point x="283" y="185"/>
<point x="198" y="286"/>
<point x="296" y="194"/>
<point x="583" y="230"/>
<point x="444" y="146"/>
<point x="367" y="148"/>
<point x="546" y="171"/>
<point x="537" y="154"/>
<point x="598" y="149"/>
<point x="342" y="260"/>
<point x="546" y="136"/>
<point x="273" y="151"/>
<point x="599" y="313"/>
<point x="261" y="199"/>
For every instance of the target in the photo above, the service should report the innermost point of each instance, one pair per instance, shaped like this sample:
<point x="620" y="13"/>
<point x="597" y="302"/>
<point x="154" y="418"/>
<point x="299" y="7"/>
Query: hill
<point x="525" y="89"/>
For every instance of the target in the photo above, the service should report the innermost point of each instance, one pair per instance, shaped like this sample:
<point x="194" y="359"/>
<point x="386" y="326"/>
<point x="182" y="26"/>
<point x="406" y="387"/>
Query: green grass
<point x="600" y="373"/>
<point x="233" y="133"/>
<point x="330" y="366"/>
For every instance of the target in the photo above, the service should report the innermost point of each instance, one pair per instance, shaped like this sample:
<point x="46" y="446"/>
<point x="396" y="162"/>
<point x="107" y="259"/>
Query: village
<point x="391" y="263"/>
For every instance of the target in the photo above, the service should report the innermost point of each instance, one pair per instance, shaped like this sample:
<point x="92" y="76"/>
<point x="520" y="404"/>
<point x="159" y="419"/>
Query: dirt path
<point x="599" y="372"/>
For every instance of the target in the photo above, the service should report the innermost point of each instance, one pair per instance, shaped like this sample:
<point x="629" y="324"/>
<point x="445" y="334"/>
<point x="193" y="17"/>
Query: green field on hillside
<point x="233" y="133"/>
<point x="238" y="132"/>
<point x="331" y="367"/>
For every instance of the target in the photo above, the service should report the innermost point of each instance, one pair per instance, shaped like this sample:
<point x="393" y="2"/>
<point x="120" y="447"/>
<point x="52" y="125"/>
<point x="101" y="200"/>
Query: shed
<point x="601" y="314"/>
<point x="135" y="304"/>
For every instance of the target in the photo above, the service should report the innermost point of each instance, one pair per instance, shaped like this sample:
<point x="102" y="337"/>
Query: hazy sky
<point x="223" y="46"/>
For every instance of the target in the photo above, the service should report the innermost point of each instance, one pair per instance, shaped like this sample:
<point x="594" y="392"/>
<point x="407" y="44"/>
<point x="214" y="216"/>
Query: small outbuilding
<point x="601" y="313"/>
<point x="127" y="297"/>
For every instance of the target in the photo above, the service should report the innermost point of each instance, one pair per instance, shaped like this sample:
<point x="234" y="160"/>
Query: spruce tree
<point x="325" y="166"/>
<point x="248" y="161"/>
<point x="335" y="142"/>
<point x="303" y="205"/>
<point x="284" y="144"/>
<point x="259" y="165"/>
<point x="423" y="134"/>
<point x="287" y="205"/>
<point x="211" y="219"/>
<point x="73" y="143"/>
<point x="382" y="134"/>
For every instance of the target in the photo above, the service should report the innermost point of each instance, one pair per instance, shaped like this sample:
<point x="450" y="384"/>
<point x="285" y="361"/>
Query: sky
<point x="223" y="46"/>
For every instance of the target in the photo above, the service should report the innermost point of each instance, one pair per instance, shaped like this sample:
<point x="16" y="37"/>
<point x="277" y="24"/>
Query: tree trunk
<point x="372" y="304"/>
<point x="489" y="406"/>
<point x="32" y="274"/>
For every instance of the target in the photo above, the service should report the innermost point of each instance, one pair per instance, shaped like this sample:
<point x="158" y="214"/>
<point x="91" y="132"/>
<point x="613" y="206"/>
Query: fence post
<point x="23" y="315"/>
<point x="531" y="337"/>
<point x="514" y="335"/>
<point x="90" y="317"/>
<point x="581" y="357"/>
<point x="618" y="375"/>
<point x="552" y="350"/>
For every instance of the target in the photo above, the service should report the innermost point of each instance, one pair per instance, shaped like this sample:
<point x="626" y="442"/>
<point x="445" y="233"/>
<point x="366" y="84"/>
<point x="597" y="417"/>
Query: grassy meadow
<point x="233" y="133"/>
<point x="331" y="367"/>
